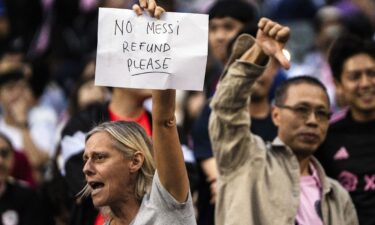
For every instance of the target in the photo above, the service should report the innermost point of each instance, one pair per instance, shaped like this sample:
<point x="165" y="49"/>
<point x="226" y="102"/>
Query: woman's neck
<point x="125" y="213"/>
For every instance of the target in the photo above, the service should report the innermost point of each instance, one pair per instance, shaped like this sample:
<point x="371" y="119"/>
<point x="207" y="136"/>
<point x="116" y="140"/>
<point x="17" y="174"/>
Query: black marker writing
<point x="137" y="74"/>
<point x="147" y="64"/>
<point x="144" y="46"/>
<point x="162" y="28"/>
<point x="128" y="27"/>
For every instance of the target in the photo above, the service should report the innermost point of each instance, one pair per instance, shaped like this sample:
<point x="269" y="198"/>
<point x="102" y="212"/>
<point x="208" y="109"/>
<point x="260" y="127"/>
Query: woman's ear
<point x="136" y="162"/>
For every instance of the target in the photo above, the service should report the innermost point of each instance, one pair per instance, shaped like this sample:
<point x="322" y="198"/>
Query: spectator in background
<point x="73" y="38"/>
<point x="24" y="18"/>
<point x="279" y="183"/>
<point x="348" y="152"/>
<point x="85" y="94"/>
<point x="191" y="105"/>
<point x="289" y="10"/>
<point x="18" y="203"/>
<point x="226" y="19"/>
<point x="328" y="25"/>
<point x="24" y="121"/>
<point x="358" y="15"/>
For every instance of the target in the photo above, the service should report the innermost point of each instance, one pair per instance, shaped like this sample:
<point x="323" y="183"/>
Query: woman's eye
<point x="99" y="157"/>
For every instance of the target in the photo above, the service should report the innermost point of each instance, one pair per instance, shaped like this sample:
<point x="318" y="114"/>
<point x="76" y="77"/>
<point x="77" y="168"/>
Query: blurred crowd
<point x="48" y="99"/>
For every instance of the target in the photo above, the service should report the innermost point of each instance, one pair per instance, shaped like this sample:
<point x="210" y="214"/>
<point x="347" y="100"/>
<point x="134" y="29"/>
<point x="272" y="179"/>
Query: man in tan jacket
<point x="279" y="182"/>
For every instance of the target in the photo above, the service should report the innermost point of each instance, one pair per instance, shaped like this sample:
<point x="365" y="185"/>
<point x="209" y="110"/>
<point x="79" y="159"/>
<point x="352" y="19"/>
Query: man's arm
<point x="229" y="121"/>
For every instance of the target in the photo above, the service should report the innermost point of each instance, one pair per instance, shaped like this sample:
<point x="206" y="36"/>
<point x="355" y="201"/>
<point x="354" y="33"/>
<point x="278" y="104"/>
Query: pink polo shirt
<point x="309" y="211"/>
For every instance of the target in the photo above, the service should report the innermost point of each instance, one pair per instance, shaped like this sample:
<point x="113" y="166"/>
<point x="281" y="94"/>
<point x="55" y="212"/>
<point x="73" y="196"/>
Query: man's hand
<point x="150" y="5"/>
<point x="270" y="41"/>
<point x="272" y="37"/>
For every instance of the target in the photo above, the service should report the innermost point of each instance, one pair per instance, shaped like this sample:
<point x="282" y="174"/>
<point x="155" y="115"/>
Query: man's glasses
<point x="304" y="112"/>
<point x="5" y="152"/>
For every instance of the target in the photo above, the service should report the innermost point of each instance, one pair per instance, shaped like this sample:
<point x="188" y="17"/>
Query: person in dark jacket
<point x="348" y="152"/>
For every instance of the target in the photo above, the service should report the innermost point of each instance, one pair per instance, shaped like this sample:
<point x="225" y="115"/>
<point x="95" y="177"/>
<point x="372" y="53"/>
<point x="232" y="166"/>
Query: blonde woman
<point x="135" y="182"/>
<point x="120" y="169"/>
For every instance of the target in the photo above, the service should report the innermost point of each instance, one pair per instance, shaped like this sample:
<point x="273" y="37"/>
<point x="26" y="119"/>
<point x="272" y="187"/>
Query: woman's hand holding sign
<point x="149" y="5"/>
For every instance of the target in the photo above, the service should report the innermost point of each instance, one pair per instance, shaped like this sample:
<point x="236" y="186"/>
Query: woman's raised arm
<point x="167" y="148"/>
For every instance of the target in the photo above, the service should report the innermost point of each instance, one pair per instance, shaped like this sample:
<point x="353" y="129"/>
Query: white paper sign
<point x="144" y="52"/>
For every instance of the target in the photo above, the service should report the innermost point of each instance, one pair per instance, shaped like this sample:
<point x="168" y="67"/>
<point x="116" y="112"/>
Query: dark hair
<point x="359" y="24"/>
<point x="345" y="47"/>
<point x="40" y="77"/>
<point x="282" y="90"/>
<point x="73" y="107"/>
<point x="10" y="75"/>
<point x="237" y="9"/>
<point x="250" y="28"/>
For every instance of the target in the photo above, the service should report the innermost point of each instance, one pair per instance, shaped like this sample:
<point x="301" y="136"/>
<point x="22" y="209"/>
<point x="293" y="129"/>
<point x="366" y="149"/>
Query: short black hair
<point x="237" y="9"/>
<point x="345" y="47"/>
<point x="250" y="28"/>
<point x="282" y="90"/>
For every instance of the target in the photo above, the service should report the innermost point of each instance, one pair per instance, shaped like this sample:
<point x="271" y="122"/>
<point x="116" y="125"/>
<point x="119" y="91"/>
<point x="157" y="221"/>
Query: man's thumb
<point x="282" y="59"/>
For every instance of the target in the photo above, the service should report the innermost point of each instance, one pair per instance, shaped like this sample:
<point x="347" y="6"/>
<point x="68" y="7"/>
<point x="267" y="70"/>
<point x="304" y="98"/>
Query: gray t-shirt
<point x="160" y="208"/>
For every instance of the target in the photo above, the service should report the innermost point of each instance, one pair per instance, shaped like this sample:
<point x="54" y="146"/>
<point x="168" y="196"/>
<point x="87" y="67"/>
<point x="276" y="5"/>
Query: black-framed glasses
<point x="304" y="112"/>
<point x="5" y="152"/>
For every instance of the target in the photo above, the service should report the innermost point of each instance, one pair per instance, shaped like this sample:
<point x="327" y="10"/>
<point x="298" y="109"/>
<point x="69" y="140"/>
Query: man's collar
<point x="326" y="185"/>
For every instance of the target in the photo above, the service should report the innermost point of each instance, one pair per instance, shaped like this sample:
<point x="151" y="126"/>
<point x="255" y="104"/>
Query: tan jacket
<point x="259" y="183"/>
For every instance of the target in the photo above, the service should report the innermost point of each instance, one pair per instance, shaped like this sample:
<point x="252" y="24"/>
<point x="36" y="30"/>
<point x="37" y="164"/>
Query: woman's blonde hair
<point x="129" y="138"/>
